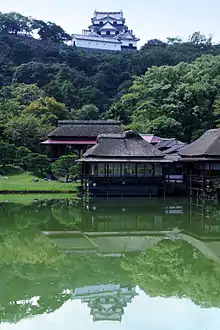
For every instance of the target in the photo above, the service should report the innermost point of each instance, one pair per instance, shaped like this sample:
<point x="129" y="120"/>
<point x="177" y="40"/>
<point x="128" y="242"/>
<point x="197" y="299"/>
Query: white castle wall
<point x="97" y="44"/>
<point x="126" y="42"/>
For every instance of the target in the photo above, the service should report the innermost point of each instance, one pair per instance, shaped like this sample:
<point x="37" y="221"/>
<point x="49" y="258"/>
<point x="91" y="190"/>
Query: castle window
<point x="108" y="33"/>
<point x="101" y="23"/>
<point x="117" y="32"/>
<point x="115" y="23"/>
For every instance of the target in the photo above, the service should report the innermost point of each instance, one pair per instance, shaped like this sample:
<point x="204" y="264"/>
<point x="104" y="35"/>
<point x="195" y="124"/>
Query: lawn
<point x="29" y="198"/>
<point x="16" y="179"/>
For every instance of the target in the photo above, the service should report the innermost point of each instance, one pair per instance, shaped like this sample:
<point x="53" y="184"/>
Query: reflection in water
<point x="106" y="254"/>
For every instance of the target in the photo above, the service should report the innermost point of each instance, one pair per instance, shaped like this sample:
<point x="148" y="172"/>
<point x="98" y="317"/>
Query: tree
<point x="22" y="93"/>
<point x="87" y="112"/>
<point x="31" y="73"/>
<point x="51" y="31"/>
<point x="37" y="163"/>
<point x="197" y="38"/>
<point x="14" y="22"/>
<point x="185" y="93"/>
<point x="21" y="153"/>
<point x="26" y="131"/>
<point x="165" y="271"/>
<point x="64" y="166"/>
<point x="165" y="127"/>
<point x="47" y="109"/>
<point x="7" y="153"/>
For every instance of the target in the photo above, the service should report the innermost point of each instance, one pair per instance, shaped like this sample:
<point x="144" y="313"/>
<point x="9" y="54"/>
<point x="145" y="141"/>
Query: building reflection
<point x="106" y="302"/>
<point x="116" y="227"/>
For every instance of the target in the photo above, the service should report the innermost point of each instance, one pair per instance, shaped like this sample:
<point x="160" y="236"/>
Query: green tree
<point x="32" y="73"/>
<point x="165" y="127"/>
<point x="26" y="131"/>
<point x="51" y="31"/>
<point x="14" y="22"/>
<point x="47" y="109"/>
<point x="21" y="153"/>
<point x="36" y="163"/>
<point x="7" y="153"/>
<point x="64" y="166"/>
<point x="185" y="93"/>
<point x="87" y="112"/>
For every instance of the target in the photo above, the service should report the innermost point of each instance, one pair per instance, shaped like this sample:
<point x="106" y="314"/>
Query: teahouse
<point x="201" y="160"/>
<point x="78" y="135"/>
<point x="126" y="165"/>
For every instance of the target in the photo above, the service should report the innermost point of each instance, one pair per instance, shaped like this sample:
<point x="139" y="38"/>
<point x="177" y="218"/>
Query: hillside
<point x="43" y="80"/>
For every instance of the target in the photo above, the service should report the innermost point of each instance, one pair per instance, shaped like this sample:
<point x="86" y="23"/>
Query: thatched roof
<point x="86" y="128"/>
<point x="208" y="145"/>
<point x="128" y="145"/>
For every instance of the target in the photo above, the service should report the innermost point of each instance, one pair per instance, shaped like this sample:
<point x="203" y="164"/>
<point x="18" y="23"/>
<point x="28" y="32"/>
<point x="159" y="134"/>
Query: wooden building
<point x="201" y="160"/>
<point x="77" y="135"/>
<point x="127" y="165"/>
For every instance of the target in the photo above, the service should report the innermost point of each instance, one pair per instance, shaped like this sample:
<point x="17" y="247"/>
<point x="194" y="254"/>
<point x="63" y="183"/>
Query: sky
<point x="148" y="19"/>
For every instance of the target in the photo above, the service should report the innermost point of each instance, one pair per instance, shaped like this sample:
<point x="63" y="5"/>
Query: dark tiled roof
<point x="175" y="148"/>
<point x="166" y="143"/>
<point x="207" y="145"/>
<point x="86" y="128"/>
<point x="131" y="144"/>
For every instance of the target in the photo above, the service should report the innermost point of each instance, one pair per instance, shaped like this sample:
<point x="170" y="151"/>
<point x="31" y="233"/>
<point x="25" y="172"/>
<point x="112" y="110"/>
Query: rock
<point x="3" y="177"/>
<point x="36" y="180"/>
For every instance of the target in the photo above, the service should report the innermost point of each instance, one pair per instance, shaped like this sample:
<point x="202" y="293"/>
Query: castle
<point x="107" y="32"/>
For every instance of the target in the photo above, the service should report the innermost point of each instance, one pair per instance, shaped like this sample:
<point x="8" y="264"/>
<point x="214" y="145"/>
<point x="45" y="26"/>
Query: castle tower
<point x="106" y="302"/>
<point x="108" y="31"/>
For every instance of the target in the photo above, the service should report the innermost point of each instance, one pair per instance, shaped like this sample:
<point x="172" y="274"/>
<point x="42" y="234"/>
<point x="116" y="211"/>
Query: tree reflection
<point x="176" y="269"/>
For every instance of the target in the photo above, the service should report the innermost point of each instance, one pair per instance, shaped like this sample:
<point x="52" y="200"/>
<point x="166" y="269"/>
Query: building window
<point x="149" y="170"/>
<point x="130" y="45"/>
<point x="128" y="169"/>
<point x="141" y="170"/>
<point x="94" y="169"/>
<point x="115" y="23"/>
<point x="117" y="32"/>
<point x="108" y="33"/>
<point x="158" y="171"/>
<point x="101" y="23"/>
<point x="102" y="169"/>
<point x="114" y="169"/>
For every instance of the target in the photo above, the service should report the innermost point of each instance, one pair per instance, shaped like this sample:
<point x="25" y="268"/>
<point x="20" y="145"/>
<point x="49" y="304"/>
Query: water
<point x="109" y="264"/>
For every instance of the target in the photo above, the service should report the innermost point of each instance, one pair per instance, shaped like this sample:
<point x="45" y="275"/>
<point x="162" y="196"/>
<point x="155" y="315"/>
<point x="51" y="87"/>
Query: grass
<point x="29" y="198"/>
<point x="19" y="180"/>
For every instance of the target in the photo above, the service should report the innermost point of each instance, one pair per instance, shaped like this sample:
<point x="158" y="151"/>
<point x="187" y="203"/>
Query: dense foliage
<point x="168" y="88"/>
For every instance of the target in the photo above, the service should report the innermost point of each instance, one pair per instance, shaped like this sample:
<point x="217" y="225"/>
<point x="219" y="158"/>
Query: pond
<point x="109" y="264"/>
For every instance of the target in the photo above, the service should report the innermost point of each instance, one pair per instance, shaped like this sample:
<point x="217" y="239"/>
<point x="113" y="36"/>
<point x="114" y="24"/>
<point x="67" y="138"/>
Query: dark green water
<point x="110" y="264"/>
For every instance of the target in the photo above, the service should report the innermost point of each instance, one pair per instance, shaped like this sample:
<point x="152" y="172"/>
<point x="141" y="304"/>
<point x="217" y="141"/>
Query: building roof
<point x="128" y="145"/>
<point x="151" y="138"/>
<point x="166" y="143"/>
<point x="86" y="128"/>
<point x="103" y="14"/>
<point x="128" y="35"/>
<point x="208" y="145"/>
<point x="108" y="26"/>
<point x="176" y="148"/>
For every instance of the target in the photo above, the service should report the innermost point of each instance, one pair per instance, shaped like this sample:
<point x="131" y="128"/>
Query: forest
<point x="170" y="88"/>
